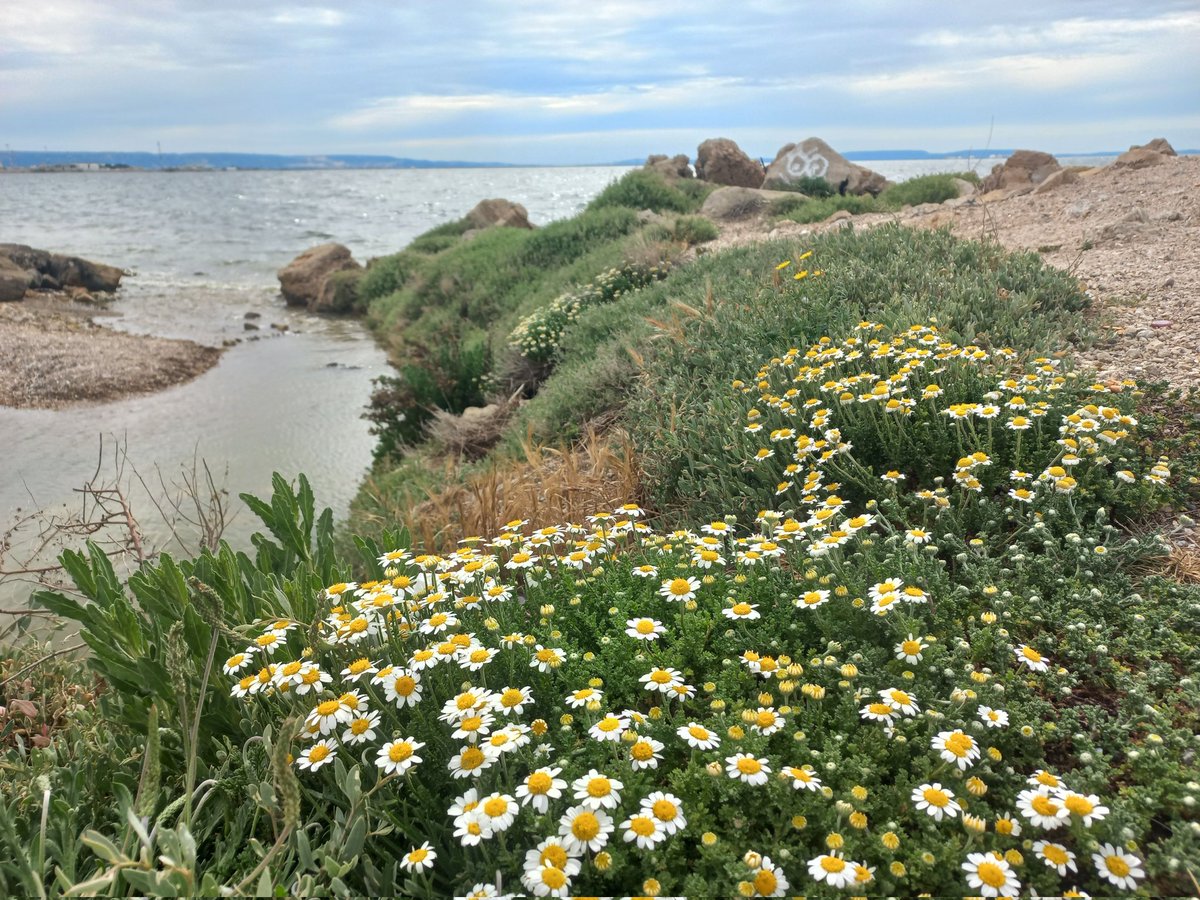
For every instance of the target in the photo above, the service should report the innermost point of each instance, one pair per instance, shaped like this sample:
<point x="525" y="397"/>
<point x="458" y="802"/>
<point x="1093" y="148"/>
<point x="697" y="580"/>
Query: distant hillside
<point x="26" y="159"/>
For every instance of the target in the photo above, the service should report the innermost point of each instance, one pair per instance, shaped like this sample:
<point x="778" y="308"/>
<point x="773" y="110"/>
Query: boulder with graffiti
<point x="814" y="158"/>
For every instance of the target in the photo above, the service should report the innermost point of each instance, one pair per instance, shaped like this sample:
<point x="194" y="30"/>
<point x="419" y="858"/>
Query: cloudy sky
<point x="576" y="81"/>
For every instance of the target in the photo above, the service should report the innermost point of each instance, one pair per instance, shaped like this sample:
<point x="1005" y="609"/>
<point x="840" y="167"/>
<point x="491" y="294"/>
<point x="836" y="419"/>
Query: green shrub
<point x="643" y="189"/>
<point x="387" y="275"/>
<point x="817" y="188"/>
<point x="693" y="230"/>
<point x="560" y="243"/>
<point x="915" y="191"/>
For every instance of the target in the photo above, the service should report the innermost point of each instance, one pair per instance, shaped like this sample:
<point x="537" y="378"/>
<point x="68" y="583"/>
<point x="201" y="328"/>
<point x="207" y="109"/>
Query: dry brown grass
<point x="474" y="432"/>
<point x="547" y="486"/>
<point x="1181" y="564"/>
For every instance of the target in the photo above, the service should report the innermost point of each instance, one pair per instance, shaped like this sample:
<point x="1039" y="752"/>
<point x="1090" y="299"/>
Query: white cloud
<point x="1034" y="72"/>
<point x="308" y="16"/>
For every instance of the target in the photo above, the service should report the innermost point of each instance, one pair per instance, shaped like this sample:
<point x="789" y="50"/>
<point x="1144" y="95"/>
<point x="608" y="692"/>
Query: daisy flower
<point x="661" y="679"/>
<point x="909" y="650"/>
<point x="698" y="736"/>
<point x="901" y="701"/>
<point x="548" y="869"/>
<point x="403" y="687"/>
<point x="1085" y="807"/>
<point x="583" y="696"/>
<point x="767" y="721"/>
<point x="597" y="791"/>
<point x="956" y="747"/>
<point x="643" y="830"/>
<point x="398" y="756"/>
<point x="1042" y="809"/>
<point x="993" y="718"/>
<point x="418" y="859"/>
<point x="320" y="753"/>
<point x="547" y="881"/>
<point x="1056" y="856"/>
<point x="832" y="869"/>
<point x="470" y="761"/>
<point x="812" y="599"/>
<point x="1118" y="867"/>
<point x="679" y="590"/>
<point x="644" y="629"/>
<point x="667" y="810"/>
<point x="878" y="712"/>
<point x="498" y="811"/>
<point x="747" y="768"/>
<point x="742" y="610"/>
<point x="936" y="800"/>
<point x="236" y="663"/>
<point x="1031" y="658"/>
<point x="327" y="716"/>
<point x="645" y="753"/>
<point x="803" y="777"/>
<point x="361" y="729"/>
<point x="610" y="728"/>
<point x="511" y="701"/>
<point x="769" y="880"/>
<point x="584" y="829"/>
<point x="358" y="668"/>
<point x="991" y="875"/>
<point x="891" y="586"/>
<point x="645" y="571"/>
<point x="546" y="659"/>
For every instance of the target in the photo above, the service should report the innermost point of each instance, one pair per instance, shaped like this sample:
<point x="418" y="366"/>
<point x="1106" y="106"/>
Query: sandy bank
<point x="53" y="355"/>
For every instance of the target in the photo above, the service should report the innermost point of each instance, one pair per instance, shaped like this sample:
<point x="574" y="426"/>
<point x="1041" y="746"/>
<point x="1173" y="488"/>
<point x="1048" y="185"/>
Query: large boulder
<point x="1023" y="171"/>
<point x="677" y="166"/>
<point x="728" y="204"/>
<point x="59" y="270"/>
<point x="302" y="280"/>
<point x="1154" y="153"/>
<point x="339" y="293"/>
<point x="721" y="161"/>
<point x="813" y="158"/>
<point x="500" y="212"/>
<point x="14" y="281"/>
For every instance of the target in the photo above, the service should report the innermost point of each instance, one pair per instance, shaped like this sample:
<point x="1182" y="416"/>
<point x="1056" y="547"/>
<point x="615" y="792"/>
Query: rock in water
<point x="302" y="280"/>
<point x="49" y="270"/>
<point x="813" y="158"/>
<point x="499" y="212"/>
<point x="721" y="161"/>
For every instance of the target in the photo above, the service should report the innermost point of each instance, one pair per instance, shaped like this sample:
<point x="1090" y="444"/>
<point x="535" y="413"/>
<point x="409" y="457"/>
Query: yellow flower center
<point x="472" y="758"/>
<point x="991" y="874"/>
<point x="312" y="676"/>
<point x="660" y="676"/>
<point x="742" y="609"/>
<point x="1047" y="779"/>
<point x="664" y="810"/>
<point x="748" y="765"/>
<point x="478" y="656"/>
<point x="1117" y="866"/>
<point x="599" y="787"/>
<point x="912" y="648"/>
<point x="359" y="666"/>
<point x="495" y="806"/>
<point x="555" y="856"/>
<point x="586" y="826"/>
<point x="609" y="723"/>
<point x="545" y="655"/>
<point x="358" y="726"/>
<point x="291" y="669"/>
<point x="937" y="798"/>
<point x="641" y="751"/>
<point x="318" y="753"/>
<point x="765" y="718"/>
<point x="511" y="697"/>
<point x="405" y="685"/>
<point x="1032" y="655"/>
<point x="553" y="877"/>
<point x="1055" y="854"/>
<point x="960" y="744"/>
<point x="465" y="701"/>
<point x="642" y="826"/>
<point x="833" y="864"/>
<point x="1078" y="804"/>
<point x="1044" y="806"/>
<point x="765" y="882"/>
<point x="901" y="698"/>
<point x="538" y="783"/>
<point x="328" y="708"/>
<point x="700" y="734"/>
<point x="400" y="751"/>
<point x="471" y="723"/>
<point x="418" y="855"/>
<point x="679" y="587"/>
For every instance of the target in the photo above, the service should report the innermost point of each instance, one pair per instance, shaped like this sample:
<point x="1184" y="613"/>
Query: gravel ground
<point x="1131" y="236"/>
<point x="53" y="355"/>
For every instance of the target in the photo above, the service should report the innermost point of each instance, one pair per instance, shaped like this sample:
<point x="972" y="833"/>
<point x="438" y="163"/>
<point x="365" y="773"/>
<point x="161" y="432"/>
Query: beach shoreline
<point x="55" y="355"/>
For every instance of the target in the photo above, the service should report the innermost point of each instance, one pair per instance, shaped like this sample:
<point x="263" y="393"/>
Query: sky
<point x="586" y="81"/>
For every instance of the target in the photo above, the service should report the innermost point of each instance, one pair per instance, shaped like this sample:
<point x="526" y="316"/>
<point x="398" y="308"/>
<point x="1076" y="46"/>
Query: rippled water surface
<point x="203" y="248"/>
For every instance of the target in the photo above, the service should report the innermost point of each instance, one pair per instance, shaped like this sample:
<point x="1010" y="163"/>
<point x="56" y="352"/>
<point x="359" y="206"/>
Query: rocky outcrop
<point x="339" y="293"/>
<point x="729" y="204"/>
<point x="1056" y="180"/>
<point x="303" y="279"/>
<point x="721" y="161"/>
<point x="1021" y="172"/>
<point x="40" y="269"/>
<point x="813" y="158"/>
<point x="1154" y="153"/>
<point x="500" y="212"/>
<point x="669" y="167"/>
<point x="14" y="281"/>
